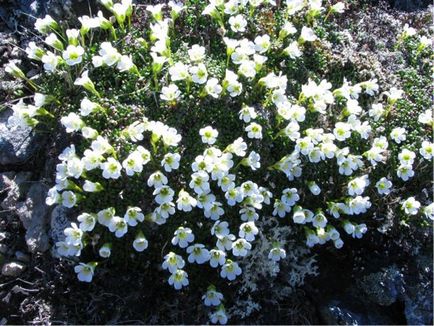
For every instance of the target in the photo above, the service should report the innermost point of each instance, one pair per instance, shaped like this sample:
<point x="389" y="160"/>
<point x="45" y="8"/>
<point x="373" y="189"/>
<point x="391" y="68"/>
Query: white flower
<point x="45" y="24"/>
<point x="426" y="117"/>
<point x="293" y="50"/>
<point x="185" y="202"/>
<point x="88" y="23"/>
<point x="87" y="222"/>
<point x="219" y="316"/>
<point x="34" y="52"/>
<point x="253" y="160"/>
<point x="183" y="236"/>
<point x="247" y="113"/>
<point x="133" y="163"/>
<point x="212" y="297"/>
<point x="157" y="180"/>
<point x="217" y="257"/>
<point x="238" y="23"/>
<point x="165" y="210"/>
<point x="215" y="211"/>
<point x="254" y="130"/>
<point x="85" y="271"/>
<point x="226" y="182"/>
<point x="140" y="243"/>
<point x="198" y="253"/>
<point x="405" y="172"/>
<point x="178" y="71"/>
<point x="119" y="226"/>
<point x="155" y="10"/>
<point x="398" y="134"/>
<point x="233" y="196"/>
<point x="170" y="93"/>
<point x="300" y="215"/>
<point x="178" y="279"/>
<point x="276" y="254"/>
<point x="69" y="199"/>
<point x="280" y="208"/>
<point x="163" y="194"/>
<point x="383" y="186"/>
<point x="87" y="107"/>
<point x="173" y="262"/>
<point x="209" y="135"/>
<point x="241" y="247"/>
<point x="262" y="43"/>
<point x="125" y="63"/>
<point x="50" y="61"/>
<point x="314" y="188"/>
<point x="248" y="231"/>
<point x="213" y="87"/>
<point x="199" y="74"/>
<point x="377" y="111"/>
<point x="394" y="94"/>
<point x="342" y="131"/>
<point x="53" y="41"/>
<point x="238" y="147"/>
<point x="319" y="220"/>
<point x="75" y="167"/>
<point x="105" y="251"/>
<point x="357" y="185"/>
<point x="111" y="169"/>
<point x="199" y="182"/>
<point x="73" y="55"/>
<point x="224" y="242"/>
<point x="101" y="145"/>
<point x="176" y="7"/>
<point x="73" y="234"/>
<point x="408" y="31"/>
<point x="427" y="150"/>
<point x="105" y="216"/>
<point x="247" y="68"/>
<point x="406" y="157"/>
<point x="307" y="35"/>
<point x="338" y="7"/>
<point x="290" y="196"/>
<point x="220" y="228"/>
<point x="233" y="86"/>
<point x="287" y="29"/>
<point x="429" y="211"/>
<point x="72" y="122"/>
<point x="230" y="270"/>
<point x="410" y="206"/>
<point x="133" y="215"/>
<point x="171" y="161"/>
<point x="196" y="53"/>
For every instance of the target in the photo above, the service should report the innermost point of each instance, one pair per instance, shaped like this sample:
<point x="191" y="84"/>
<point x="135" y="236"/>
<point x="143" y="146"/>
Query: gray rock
<point x="13" y="269"/>
<point x="21" y="256"/>
<point x="419" y="294"/>
<point x="16" y="186"/>
<point x="17" y="143"/>
<point x="383" y="288"/>
<point x="344" y="312"/>
<point x="33" y="213"/>
<point x="410" y="5"/>
<point x="60" y="220"/>
<point x="3" y="235"/>
<point x="3" y="248"/>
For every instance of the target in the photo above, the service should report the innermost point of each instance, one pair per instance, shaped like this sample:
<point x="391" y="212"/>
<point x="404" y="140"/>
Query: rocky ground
<point x="383" y="279"/>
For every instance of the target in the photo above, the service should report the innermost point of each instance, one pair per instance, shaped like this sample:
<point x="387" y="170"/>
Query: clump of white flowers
<point x="323" y="128"/>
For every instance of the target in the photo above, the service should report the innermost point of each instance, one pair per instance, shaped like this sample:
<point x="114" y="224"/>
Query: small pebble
<point x="13" y="269"/>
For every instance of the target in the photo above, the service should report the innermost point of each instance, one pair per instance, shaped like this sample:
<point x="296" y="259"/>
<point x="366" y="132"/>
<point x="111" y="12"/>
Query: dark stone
<point x="345" y="312"/>
<point x="33" y="213"/>
<point x="17" y="142"/>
